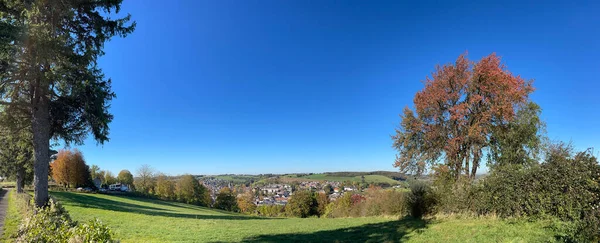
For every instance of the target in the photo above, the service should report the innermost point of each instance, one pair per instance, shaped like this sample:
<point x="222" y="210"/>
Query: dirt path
<point x="3" y="207"/>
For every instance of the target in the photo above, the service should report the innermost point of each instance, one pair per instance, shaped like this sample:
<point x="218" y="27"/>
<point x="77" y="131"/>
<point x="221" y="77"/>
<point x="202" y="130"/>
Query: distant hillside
<point x="377" y="177"/>
<point x="391" y="174"/>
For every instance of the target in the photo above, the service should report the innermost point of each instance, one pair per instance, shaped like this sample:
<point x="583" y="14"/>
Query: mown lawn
<point x="143" y="220"/>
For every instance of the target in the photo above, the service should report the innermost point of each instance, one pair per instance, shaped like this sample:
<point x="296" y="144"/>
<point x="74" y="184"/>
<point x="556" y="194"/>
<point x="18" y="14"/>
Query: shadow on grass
<point x="88" y="201"/>
<point x="392" y="231"/>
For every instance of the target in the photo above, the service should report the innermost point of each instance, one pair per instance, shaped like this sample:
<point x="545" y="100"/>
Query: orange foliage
<point x="455" y="114"/>
<point x="69" y="168"/>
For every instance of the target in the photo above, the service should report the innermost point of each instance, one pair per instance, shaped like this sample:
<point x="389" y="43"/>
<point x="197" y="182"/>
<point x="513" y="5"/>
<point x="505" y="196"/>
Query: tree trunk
<point x="476" y="160"/>
<point x="20" y="180"/>
<point x="41" y="147"/>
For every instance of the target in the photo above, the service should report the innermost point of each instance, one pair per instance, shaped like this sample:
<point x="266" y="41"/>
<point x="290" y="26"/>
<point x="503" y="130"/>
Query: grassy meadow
<point x="146" y="220"/>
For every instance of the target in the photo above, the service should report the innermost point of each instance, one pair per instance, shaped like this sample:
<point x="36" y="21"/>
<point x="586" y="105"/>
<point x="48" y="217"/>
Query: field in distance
<point x="368" y="178"/>
<point x="145" y="220"/>
<point x="375" y="177"/>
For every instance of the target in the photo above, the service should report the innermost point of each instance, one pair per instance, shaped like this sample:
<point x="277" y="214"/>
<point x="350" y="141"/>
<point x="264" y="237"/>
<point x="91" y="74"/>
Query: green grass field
<point x="144" y="220"/>
<point x="237" y="178"/>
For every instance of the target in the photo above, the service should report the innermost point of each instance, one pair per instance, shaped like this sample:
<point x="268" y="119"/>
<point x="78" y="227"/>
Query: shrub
<point x="322" y="201"/>
<point x="226" y="200"/>
<point x="245" y="203"/>
<point x="565" y="186"/>
<point x="384" y="202"/>
<point x="190" y="191"/>
<point x="302" y="204"/>
<point x="270" y="210"/>
<point x="421" y="199"/>
<point x="53" y="224"/>
<point x="348" y="205"/>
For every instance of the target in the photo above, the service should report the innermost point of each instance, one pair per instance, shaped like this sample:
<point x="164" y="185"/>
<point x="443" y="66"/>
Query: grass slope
<point x="144" y="220"/>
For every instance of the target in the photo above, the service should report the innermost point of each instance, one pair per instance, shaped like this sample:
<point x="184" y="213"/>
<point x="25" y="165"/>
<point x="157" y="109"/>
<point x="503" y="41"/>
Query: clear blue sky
<point x="208" y="87"/>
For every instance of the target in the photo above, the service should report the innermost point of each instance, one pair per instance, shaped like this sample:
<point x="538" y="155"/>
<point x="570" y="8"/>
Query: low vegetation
<point x="17" y="207"/>
<point x="148" y="220"/>
<point x="50" y="224"/>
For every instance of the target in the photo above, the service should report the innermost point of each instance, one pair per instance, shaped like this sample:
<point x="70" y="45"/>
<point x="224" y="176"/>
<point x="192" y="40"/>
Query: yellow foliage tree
<point x="69" y="168"/>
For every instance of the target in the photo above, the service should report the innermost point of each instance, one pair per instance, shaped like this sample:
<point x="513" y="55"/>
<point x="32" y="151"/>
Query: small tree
<point x="109" y="177"/>
<point x="328" y="189"/>
<point x="165" y="188"/>
<point x="69" y="169"/>
<point x="301" y="204"/>
<point x="16" y="150"/>
<point x="245" y="202"/>
<point x="322" y="202"/>
<point x="125" y="177"/>
<point x="190" y="191"/>
<point x="226" y="200"/>
<point x="95" y="172"/>
<point x="144" y="182"/>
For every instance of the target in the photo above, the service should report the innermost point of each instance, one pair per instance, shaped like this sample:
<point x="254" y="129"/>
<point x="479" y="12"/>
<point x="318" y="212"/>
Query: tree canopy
<point x="70" y="169"/>
<point x="125" y="177"/>
<point x="456" y="115"/>
<point x="48" y="69"/>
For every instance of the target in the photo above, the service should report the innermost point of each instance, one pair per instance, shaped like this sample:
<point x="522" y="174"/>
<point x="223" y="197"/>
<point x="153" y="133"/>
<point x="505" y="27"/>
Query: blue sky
<point x="209" y="87"/>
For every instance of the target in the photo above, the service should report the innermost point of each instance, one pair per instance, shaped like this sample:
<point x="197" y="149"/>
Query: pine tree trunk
<point x="20" y="180"/>
<point x="41" y="148"/>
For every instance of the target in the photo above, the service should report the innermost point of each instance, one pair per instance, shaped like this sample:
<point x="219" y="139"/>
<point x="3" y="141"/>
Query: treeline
<point x="182" y="188"/>
<point x="70" y="170"/>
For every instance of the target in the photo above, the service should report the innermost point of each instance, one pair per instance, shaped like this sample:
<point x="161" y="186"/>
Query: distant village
<point x="279" y="193"/>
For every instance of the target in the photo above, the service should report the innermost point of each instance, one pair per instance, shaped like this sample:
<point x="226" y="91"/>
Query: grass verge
<point x="17" y="207"/>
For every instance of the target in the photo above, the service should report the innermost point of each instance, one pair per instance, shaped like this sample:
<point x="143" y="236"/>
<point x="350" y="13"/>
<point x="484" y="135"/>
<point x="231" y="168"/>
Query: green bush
<point x="302" y="204"/>
<point x="376" y="202"/>
<point x="226" y="200"/>
<point x="53" y="225"/>
<point x="270" y="210"/>
<point x="565" y="186"/>
<point x="421" y="200"/>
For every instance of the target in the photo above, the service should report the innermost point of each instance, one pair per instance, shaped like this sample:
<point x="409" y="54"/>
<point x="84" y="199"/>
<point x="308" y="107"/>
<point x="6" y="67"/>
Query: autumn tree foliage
<point x="69" y="169"/>
<point x="455" y="115"/>
<point x="165" y="188"/>
<point x="245" y="202"/>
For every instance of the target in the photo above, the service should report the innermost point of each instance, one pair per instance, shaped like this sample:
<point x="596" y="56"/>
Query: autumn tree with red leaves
<point x="455" y="114"/>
